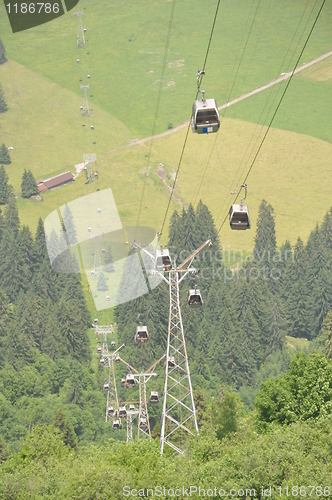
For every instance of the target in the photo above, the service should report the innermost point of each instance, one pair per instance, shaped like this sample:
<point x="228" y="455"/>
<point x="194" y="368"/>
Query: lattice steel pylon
<point x="112" y="394"/>
<point x="131" y="414"/>
<point x="80" y="32"/>
<point x="97" y="268"/>
<point x="143" y="415"/>
<point x="85" y="107"/>
<point x="179" y="414"/>
<point x="90" y="158"/>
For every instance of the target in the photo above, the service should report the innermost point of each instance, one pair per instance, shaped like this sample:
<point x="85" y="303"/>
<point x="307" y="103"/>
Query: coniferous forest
<point x="264" y="410"/>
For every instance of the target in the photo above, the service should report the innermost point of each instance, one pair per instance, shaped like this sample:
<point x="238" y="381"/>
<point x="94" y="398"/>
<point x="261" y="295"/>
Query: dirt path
<point x="281" y="78"/>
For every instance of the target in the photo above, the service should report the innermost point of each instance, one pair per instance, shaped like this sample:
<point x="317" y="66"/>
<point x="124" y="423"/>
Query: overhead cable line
<point x="234" y="180"/>
<point x="278" y="105"/>
<point x="188" y="128"/>
<point x="168" y="38"/>
<point x="229" y="96"/>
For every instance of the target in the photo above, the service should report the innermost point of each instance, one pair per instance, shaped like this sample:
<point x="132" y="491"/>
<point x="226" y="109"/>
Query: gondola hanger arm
<point x="155" y="364"/>
<point x="118" y="349"/>
<point x="137" y="245"/>
<point x="193" y="255"/>
<point x="129" y="366"/>
<point x="198" y="76"/>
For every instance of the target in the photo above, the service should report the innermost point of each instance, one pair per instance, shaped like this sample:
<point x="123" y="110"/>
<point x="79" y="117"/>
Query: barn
<point x="56" y="181"/>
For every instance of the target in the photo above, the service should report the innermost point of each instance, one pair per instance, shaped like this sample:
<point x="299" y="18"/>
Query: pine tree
<point x="53" y="247"/>
<point x="40" y="241"/>
<point x="265" y="239"/>
<point x="2" y="224"/>
<point x="102" y="284"/>
<point x="277" y="325"/>
<point x="29" y="185"/>
<point x="69" y="226"/>
<point x="326" y="230"/>
<point x="53" y="343"/>
<point x="4" y="188"/>
<point x="327" y="335"/>
<point x="189" y="234"/>
<point x="3" y="104"/>
<point x="6" y="317"/>
<point x="70" y="289"/>
<point x="66" y="430"/>
<point x="3" y="58"/>
<point x="174" y="233"/>
<point x="296" y="296"/>
<point x="4" y="155"/>
<point x="18" y="348"/>
<point x="318" y="281"/>
<point x="108" y="261"/>
<point x="44" y="282"/>
<point x="205" y="227"/>
<point x="14" y="273"/>
<point x="29" y="317"/>
<point x="11" y="218"/>
<point x="73" y="329"/>
<point x="27" y="248"/>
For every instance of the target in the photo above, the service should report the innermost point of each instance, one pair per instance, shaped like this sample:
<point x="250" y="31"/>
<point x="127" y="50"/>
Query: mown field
<point x="125" y="45"/>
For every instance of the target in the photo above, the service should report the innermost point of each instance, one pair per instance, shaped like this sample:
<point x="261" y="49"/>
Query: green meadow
<point x="125" y="45"/>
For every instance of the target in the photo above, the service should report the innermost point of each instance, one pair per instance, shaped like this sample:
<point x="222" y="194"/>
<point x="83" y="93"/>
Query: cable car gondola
<point x="131" y="407"/>
<point x="141" y="334"/>
<point x="205" y="113"/>
<point x="117" y="358"/>
<point x="117" y="424"/>
<point x="113" y="343"/>
<point x="195" y="298"/>
<point x="101" y="361"/>
<point x="143" y="423"/>
<point x="106" y="387"/>
<point x="110" y="411"/>
<point x="130" y="380"/>
<point x="239" y="215"/>
<point x="171" y="362"/>
<point x="122" y="412"/>
<point x="163" y="259"/>
<point x="98" y="349"/>
<point x="123" y="381"/>
<point x="154" y="397"/>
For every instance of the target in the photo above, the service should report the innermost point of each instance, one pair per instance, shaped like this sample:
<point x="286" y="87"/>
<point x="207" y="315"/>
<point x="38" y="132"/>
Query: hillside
<point x="242" y="405"/>
<point x="125" y="64"/>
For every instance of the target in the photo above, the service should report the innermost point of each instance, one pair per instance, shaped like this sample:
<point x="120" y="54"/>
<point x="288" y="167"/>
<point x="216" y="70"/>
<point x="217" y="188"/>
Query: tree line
<point x="249" y="306"/>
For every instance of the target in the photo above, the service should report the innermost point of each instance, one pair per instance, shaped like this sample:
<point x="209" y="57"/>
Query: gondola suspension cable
<point x="168" y="38"/>
<point x="278" y="106"/>
<point x="189" y="125"/>
<point x="234" y="180"/>
<point x="229" y="96"/>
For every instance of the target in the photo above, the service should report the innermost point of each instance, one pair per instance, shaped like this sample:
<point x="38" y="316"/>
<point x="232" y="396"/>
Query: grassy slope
<point x="125" y="45"/>
<point x="283" y="173"/>
<point x="303" y="110"/>
<point x="292" y="173"/>
<point x="44" y="125"/>
<point x="298" y="344"/>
